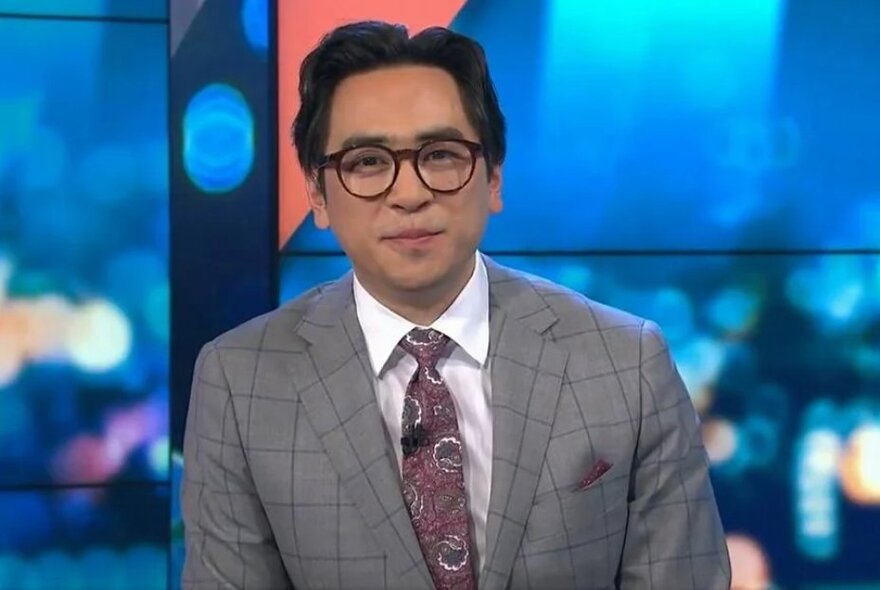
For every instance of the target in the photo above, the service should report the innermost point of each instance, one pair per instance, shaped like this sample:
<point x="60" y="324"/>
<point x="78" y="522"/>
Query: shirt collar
<point x="466" y="321"/>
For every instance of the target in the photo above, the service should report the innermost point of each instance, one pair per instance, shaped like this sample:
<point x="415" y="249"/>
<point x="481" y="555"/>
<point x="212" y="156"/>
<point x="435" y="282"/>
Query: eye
<point x="440" y="155"/>
<point x="445" y="154"/>
<point x="366" y="160"/>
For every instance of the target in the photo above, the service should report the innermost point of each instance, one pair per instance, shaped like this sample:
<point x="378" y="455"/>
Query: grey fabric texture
<point x="290" y="482"/>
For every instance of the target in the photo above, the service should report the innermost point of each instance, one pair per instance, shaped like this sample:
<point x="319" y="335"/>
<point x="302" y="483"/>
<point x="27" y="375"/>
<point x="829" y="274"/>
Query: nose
<point x="408" y="192"/>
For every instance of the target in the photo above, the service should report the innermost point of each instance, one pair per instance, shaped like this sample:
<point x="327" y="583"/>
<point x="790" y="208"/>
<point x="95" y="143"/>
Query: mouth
<point x="413" y="237"/>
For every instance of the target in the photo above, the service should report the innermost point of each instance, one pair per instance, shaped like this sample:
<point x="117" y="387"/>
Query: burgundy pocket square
<point x="599" y="469"/>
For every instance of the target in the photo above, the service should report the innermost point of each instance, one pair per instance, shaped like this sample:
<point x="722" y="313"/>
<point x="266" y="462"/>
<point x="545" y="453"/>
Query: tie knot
<point x="425" y="344"/>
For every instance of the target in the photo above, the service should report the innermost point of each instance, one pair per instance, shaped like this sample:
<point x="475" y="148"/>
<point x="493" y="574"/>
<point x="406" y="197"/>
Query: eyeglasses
<point x="443" y="166"/>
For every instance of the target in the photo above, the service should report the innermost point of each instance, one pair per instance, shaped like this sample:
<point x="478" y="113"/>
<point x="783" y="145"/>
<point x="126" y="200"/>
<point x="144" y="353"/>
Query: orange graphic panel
<point x="301" y="24"/>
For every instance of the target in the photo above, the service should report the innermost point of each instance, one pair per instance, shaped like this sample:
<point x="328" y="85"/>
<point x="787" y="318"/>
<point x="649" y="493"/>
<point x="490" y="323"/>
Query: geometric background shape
<point x="300" y="26"/>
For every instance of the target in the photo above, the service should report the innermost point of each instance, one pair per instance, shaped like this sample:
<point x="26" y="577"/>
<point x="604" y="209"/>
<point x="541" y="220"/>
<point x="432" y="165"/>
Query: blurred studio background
<point x="713" y="166"/>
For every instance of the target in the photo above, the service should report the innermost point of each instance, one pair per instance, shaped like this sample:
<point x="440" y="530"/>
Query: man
<point x="434" y="419"/>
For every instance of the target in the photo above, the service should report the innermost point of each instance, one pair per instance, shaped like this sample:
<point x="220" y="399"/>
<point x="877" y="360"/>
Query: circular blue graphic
<point x="218" y="139"/>
<point x="255" y="21"/>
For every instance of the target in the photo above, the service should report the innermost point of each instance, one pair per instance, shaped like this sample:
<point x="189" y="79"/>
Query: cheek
<point x="350" y="219"/>
<point x="473" y="209"/>
<point x="467" y="222"/>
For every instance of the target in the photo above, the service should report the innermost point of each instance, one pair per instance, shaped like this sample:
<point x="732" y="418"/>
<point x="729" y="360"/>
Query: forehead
<point x="397" y="102"/>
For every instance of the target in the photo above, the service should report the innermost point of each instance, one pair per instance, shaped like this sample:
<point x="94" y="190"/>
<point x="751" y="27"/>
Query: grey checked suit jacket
<point x="289" y="479"/>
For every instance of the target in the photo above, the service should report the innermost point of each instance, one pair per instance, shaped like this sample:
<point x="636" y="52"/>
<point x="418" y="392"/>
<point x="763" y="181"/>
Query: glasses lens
<point x="446" y="165"/>
<point x="367" y="171"/>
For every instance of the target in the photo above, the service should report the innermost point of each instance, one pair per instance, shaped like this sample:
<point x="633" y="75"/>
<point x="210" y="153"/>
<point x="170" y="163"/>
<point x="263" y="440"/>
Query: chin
<point x="412" y="282"/>
<point x="414" y="277"/>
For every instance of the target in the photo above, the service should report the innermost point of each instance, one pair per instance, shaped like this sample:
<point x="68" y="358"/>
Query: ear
<point x="318" y="201"/>
<point x="495" y="202"/>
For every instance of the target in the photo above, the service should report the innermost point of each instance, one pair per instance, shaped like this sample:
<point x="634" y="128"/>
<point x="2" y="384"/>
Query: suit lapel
<point x="526" y="377"/>
<point x="335" y="384"/>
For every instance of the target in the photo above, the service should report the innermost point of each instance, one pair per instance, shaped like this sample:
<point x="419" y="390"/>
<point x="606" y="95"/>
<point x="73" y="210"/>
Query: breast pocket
<point x="569" y="514"/>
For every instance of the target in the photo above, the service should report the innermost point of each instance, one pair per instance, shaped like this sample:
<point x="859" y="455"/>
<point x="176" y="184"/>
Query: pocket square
<point x="599" y="469"/>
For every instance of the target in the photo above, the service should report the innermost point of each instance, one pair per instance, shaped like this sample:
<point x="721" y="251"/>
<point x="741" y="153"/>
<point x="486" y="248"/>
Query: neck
<point x="423" y="306"/>
<point x="420" y="309"/>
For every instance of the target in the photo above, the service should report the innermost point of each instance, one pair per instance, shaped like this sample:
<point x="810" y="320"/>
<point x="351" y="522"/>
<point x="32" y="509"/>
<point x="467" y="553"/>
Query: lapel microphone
<point x="414" y="436"/>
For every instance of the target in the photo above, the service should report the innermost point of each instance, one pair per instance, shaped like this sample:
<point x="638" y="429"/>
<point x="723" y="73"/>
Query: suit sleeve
<point x="228" y="540"/>
<point x="674" y="536"/>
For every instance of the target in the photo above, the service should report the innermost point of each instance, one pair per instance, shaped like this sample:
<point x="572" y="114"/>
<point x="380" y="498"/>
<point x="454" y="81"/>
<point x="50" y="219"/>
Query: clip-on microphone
<point x="414" y="436"/>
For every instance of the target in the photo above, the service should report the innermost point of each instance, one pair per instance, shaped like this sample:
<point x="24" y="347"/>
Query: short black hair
<point x="369" y="45"/>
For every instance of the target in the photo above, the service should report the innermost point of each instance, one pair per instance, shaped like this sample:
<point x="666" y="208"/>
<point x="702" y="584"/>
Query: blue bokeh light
<point x="771" y="402"/>
<point x="109" y="173"/>
<point x="218" y="138"/>
<point x="54" y="569"/>
<point x="98" y="567"/>
<point x="817" y="498"/>
<point x="733" y="310"/>
<point x="157" y="311"/>
<point x="255" y="21"/>
<point x="132" y="274"/>
<point x="577" y="277"/>
<point x="15" y="417"/>
<point x="672" y="309"/>
<point x="11" y="568"/>
<point x="762" y="438"/>
<point x="836" y="290"/>
<point x="101" y="563"/>
<point x="88" y="8"/>
<point x="147" y="563"/>
<point x="46" y="161"/>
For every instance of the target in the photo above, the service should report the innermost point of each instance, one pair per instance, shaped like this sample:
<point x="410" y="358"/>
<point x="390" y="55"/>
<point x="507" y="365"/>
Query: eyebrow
<point x="431" y="134"/>
<point x="435" y="133"/>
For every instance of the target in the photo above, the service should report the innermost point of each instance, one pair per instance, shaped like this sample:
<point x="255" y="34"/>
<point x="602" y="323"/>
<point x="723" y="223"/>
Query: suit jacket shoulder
<point x="576" y="318"/>
<point x="276" y="329"/>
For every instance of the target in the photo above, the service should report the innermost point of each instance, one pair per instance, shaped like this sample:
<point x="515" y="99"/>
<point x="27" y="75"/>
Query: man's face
<point x="400" y="105"/>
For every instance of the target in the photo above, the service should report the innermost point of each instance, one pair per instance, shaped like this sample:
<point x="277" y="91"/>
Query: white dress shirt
<point x="465" y="371"/>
